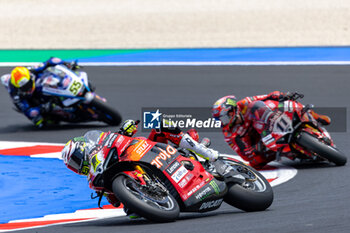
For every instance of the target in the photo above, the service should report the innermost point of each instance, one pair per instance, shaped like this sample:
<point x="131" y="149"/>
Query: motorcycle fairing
<point x="132" y="149"/>
<point x="5" y="79"/>
<point x="194" y="184"/>
<point x="158" y="154"/>
<point x="197" y="188"/>
<point x="55" y="82"/>
<point x="293" y="117"/>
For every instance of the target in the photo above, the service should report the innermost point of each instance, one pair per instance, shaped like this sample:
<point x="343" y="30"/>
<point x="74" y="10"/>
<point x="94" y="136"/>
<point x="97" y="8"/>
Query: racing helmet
<point x="22" y="80"/>
<point x="225" y="110"/>
<point x="74" y="156"/>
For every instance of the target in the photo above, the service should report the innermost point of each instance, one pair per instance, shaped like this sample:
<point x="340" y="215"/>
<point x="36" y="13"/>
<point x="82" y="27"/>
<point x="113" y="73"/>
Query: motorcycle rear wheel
<point x="106" y="113"/>
<point x="325" y="151"/>
<point x="254" y="194"/>
<point x="151" y="207"/>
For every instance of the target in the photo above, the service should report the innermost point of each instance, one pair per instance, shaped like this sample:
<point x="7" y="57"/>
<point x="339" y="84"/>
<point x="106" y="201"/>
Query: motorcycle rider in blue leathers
<point x="24" y="86"/>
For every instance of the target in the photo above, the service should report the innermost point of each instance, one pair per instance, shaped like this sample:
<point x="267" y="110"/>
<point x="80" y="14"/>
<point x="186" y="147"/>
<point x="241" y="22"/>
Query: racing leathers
<point x="244" y="138"/>
<point x="34" y="105"/>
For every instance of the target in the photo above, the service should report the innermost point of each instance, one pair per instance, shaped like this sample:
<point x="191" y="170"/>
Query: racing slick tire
<point x="253" y="195"/>
<point x="323" y="150"/>
<point x="144" y="204"/>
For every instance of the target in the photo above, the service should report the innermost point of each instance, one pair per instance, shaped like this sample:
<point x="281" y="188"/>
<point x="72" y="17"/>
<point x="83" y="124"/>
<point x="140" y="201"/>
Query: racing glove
<point x="73" y="65"/>
<point x="129" y="128"/>
<point x="291" y="96"/>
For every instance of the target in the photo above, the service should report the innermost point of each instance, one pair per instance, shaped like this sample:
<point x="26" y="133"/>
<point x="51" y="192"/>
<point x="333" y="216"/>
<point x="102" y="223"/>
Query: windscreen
<point x="92" y="138"/>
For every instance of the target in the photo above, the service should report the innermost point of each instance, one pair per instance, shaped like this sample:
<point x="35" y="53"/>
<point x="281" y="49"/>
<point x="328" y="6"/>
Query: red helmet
<point x="74" y="157"/>
<point x="225" y="109"/>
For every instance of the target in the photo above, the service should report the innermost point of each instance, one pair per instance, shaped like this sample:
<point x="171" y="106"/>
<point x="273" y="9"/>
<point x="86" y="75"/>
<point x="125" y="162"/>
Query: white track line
<point x="208" y="63"/>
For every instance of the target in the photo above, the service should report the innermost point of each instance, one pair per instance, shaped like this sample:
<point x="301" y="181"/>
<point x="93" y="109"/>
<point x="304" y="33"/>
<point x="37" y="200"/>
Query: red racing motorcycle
<point x="296" y="134"/>
<point x="158" y="181"/>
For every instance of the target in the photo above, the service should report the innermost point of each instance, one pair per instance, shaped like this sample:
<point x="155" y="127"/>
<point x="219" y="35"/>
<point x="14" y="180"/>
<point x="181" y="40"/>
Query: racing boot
<point x="259" y="160"/>
<point x="131" y="214"/>
<point x="322" y="119"/>
<point x="199" y="149"/>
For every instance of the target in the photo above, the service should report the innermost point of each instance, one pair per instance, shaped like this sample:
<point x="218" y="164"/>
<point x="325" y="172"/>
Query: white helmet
<point x="74" y="156"/>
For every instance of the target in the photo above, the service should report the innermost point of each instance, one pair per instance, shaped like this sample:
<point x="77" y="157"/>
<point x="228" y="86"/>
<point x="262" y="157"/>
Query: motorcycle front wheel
<point x="325" y="151"/>
<point x="254" y="194"/>
<point x="151" y="203"/>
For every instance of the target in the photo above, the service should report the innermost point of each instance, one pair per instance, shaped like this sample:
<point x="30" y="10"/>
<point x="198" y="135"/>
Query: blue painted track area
<point x="34" y="187"/>
<point x="273" y="54"/>
<point x="300" y="55"/>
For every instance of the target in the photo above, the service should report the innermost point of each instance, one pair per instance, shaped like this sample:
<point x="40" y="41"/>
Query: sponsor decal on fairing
<point x="179" y="174"/>
<point x="203" y="194"/>
<point x="111" y="140"/>
<point x="163" y="155"/>
<point x="185" y="180"/>
<point x="173" y="167"/>
<point x="211" y="204"/>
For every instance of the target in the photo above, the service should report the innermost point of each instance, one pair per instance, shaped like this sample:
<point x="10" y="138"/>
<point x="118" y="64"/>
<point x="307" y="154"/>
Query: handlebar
<point x="293" y="96"/>
<point x="296" y="96"/>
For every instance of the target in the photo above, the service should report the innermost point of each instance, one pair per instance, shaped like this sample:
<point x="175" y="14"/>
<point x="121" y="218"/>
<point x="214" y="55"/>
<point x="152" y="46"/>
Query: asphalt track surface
<point x="316" y="200"/>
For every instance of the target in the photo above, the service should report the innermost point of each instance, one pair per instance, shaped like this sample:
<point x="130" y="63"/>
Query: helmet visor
<point x="77" y="158"/>
<point x="27" y="88"/>
<point x="227" y="118"/>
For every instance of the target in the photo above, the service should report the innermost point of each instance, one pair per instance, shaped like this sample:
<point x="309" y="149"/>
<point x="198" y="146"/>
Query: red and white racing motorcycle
<point x="157" y="181"/>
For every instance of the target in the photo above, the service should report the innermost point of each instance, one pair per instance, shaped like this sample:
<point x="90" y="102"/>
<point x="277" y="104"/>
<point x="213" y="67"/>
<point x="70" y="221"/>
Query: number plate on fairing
<point x="69" y="84"/>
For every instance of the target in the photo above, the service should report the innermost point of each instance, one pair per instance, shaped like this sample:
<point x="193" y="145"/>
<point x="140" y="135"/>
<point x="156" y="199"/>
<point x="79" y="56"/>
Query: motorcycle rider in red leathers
<point x="245" y="124"/>
<point x="75" y="155"/>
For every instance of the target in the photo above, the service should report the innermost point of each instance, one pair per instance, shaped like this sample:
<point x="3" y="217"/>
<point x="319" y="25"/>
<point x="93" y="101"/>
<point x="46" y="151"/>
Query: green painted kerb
<point x="42" y="55"/>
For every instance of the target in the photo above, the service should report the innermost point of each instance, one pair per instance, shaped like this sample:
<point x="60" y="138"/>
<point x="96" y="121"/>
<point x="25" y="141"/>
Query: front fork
<point x="138" y="174"/>
<point x="144" y="179"/>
